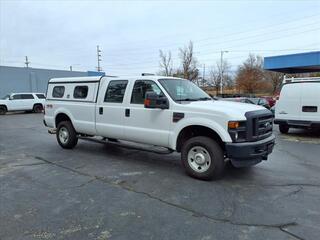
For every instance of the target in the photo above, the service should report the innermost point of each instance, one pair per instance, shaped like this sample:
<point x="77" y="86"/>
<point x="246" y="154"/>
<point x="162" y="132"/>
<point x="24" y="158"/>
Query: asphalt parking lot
<point x="102" y="191"/>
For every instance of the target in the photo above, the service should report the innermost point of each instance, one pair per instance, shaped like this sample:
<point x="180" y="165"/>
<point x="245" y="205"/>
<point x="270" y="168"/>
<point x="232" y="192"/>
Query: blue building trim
<point x="294" y="63"/>
<point x="95" y="73"/>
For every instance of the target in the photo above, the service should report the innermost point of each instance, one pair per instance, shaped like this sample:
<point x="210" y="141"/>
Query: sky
<point x="60" y="34"/>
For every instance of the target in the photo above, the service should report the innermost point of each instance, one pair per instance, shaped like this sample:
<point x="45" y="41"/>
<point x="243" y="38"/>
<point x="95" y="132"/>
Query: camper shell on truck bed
<point x="162" y="111"/>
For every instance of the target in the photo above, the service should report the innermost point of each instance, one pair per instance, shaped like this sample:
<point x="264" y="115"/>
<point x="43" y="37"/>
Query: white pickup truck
<point x="163" y="111"/>
<point x="22" y="102"/>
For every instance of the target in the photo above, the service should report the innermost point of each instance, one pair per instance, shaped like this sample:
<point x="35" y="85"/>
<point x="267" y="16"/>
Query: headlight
<point x="237" y="130"/>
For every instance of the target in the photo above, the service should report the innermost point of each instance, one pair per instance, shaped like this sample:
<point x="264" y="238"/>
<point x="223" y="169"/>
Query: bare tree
<point x="165" y="63"/>
<point x="188" y="62"/>
<point x="275" y="79"/>
<point x="250" y="76"/>
<point x="215" y="75"/>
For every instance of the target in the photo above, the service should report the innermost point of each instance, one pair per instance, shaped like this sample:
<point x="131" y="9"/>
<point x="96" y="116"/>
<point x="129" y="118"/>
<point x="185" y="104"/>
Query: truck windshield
<point x="184" y="90"/>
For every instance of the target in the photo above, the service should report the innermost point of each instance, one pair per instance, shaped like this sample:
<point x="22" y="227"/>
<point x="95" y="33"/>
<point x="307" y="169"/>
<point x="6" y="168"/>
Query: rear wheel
<point x="37" y="108"/>
<point x="203" y="158"/>
<point x="66" y="135"/>
<point x="3" y="110"/>
<point x="283" y="128"/>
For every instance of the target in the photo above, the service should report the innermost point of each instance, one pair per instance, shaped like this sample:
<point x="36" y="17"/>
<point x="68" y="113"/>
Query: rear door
<point x="110" y="110"/>
<point x="310" y="101"/>
<point x="28" y="101"/>
<point x="289" y="104"/>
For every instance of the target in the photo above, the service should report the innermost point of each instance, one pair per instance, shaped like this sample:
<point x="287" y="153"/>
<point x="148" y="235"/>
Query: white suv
<point x="22" y="102"/>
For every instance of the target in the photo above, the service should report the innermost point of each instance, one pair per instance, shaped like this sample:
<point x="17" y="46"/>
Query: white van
<point x="299" y="104"/>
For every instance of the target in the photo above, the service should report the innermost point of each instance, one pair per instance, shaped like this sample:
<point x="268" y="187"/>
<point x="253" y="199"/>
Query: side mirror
<point x="10" y="98"/>
<point x="153" y="100"/>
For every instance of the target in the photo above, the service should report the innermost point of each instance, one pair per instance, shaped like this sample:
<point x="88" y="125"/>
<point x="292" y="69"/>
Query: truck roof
<point x="75" y="79"/>
<point x="98" y="78"/>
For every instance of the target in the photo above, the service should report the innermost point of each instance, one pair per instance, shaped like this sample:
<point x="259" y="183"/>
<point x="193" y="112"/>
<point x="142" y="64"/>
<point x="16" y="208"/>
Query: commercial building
<point x="22" y="79"/>
<point x="294" y="63"/>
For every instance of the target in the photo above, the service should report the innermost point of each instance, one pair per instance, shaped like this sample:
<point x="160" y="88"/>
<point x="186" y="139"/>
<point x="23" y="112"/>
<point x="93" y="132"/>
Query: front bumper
<point x="250" y="153"/>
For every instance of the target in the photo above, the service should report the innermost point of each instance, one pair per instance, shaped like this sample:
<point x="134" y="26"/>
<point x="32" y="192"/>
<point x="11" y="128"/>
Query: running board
<point x="146" y="148"/>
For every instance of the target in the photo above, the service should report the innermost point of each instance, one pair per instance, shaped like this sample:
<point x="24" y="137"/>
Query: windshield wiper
<point x="195" y="99"/>
<point x="204" y="99"/>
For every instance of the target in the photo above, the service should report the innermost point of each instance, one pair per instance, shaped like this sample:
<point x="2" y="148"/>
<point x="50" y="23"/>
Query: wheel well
<point x="194" y="131"/>
<point x="37" y="104"/>
<point x="4" y="107"/>
<point x="62" y="117"/>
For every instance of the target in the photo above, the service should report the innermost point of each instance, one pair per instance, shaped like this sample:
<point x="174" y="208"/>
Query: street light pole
<point x="221" y="72"/>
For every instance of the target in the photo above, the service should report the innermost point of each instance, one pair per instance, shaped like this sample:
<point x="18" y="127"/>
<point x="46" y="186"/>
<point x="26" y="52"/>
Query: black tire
<point x="71" y="140"/>
<point x="3" y="110"/>
<point x="283" y="128"/>
<point x="37" y="108"/>
<point x="208" y="146"/>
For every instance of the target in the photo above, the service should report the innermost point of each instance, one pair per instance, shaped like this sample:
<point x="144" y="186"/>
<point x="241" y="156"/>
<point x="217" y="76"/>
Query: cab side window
<point x="115" y="91"/>
<point x="141" y="87"/>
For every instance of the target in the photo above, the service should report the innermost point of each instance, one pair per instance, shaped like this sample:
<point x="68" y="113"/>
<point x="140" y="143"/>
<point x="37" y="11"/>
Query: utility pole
<point x="27" y="62"/>
<point x="98" y="58"/>
<point x="221" y="72"/>
<point x="203" y="74"/>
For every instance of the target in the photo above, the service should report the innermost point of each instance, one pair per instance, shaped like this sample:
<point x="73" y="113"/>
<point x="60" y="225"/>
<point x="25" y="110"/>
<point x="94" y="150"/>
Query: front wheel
<point x="66" y="135"/>
<point x="202" y="158"/>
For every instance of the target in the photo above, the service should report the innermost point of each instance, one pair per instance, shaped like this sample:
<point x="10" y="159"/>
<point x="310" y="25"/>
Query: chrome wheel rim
<point x="199" y="159"/>
<point x="63" y="135"/>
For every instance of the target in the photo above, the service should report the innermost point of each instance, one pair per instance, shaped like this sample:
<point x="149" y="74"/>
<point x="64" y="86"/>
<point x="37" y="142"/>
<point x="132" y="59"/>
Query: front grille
<point x="259" y="125"/>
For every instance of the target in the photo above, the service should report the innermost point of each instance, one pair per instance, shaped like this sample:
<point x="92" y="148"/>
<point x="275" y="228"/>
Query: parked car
<point x="299" y="105"/>
<point x="270" y="100"/>
<point x="238" y="99"/>
<point x="163" y="111"/>
<point x="22" y="102"/>
<point x="261" y="102"/>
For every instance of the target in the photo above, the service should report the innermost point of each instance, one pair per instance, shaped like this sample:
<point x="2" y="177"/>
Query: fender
<point x="223" y="134"/>
<point x="64" y="111"/>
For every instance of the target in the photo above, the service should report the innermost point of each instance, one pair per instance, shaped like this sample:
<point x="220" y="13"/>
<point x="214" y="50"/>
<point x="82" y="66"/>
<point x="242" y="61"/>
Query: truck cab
<point x="163" y="111"/>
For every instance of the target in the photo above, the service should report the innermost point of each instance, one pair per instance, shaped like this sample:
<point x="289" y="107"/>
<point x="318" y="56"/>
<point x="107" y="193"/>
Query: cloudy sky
<point x="57" y="34"/>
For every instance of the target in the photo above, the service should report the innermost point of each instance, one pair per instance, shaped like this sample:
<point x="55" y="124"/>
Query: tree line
<point x="249" y="78"/>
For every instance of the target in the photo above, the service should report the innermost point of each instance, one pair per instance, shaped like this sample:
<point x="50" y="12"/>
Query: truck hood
<point x="234" y="110"/>
<point x="2" y="101"/>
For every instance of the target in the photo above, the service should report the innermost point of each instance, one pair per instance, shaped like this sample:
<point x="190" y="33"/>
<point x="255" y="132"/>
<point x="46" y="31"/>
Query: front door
<point x="16" y="102"/>
<point x="110" y="110"/>
<point x="146" y="125"/>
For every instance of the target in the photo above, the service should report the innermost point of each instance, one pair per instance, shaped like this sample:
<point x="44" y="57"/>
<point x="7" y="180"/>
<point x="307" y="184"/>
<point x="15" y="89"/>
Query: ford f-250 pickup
<point x="163" y="111"/>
